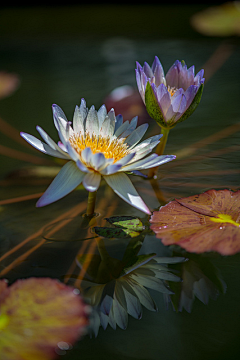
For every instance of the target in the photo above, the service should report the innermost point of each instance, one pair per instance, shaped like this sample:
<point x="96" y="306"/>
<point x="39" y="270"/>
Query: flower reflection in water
<point x="116" y="288"/>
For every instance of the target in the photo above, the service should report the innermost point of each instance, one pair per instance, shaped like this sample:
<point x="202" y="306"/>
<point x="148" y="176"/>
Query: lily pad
<point x="222" y="20"/>
<point x="40" y="318"/>
<point x="115" y="233"/>
<point x="201" y="223"/>
<point x="124" y="227"/>
<point x="127" y="222"/>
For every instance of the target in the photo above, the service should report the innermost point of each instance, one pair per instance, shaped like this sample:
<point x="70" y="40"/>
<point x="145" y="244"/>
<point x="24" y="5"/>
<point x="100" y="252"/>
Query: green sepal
<point x="153" y="107"/>
<point x="183" y="63"/>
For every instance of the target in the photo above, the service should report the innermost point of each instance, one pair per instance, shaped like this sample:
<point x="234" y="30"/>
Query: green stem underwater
<point x="159" y="150"/>
<point x="91" y="203"/>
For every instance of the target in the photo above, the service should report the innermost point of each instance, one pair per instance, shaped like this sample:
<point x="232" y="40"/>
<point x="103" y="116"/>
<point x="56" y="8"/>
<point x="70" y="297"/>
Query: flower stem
<point x="91" y="203"/>
<point x="159" y="150"/>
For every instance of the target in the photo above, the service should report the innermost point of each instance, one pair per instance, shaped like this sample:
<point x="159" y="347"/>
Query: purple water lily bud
<point x="172" y="98"/>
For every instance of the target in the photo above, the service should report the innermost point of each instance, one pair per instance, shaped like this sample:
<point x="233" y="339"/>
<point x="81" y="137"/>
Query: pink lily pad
<point x="201" y="223"/>
<point x="39" y="319"/>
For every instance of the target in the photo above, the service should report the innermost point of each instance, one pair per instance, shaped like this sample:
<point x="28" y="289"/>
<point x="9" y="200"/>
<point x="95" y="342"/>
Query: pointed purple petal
<point x="177" y="108"/>
<point x="163" y="97"/>
<point x="147" y="70"/>
<point x="172" y="76"/>
<point x="158" y="72"/>
<point x="190" y="93"/>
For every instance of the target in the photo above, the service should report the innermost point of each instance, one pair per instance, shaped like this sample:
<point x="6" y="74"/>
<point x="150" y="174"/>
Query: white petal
<point x="83" y="109"/>
<point x="145" y="147"/>
<point x="146" y="142"/>
<point x="47" y="138"/>
<point x="123" y="187"/>
<point x="121" y="129"/>
<point x="63" y="147"/>
<point x="126" y="159"/>
<point x="74" y="155"/>
<point x="41" y="146"/>
<point x="92" y="125"/>
<point x="98" y="161"/>
<point x="57" y="112"/>
<point x="91" y="181"/>
<point x="136" y="135"/>
<point x="111" y="169"/>
<point x="112" y="117"/>
<point x="62" y="132"/>
<point x="150" y="162"/>
<point x="102" y="113"/>
<point x="132" y="126"/>
<point x="157" y="162"/>
<point x="118" y="121"/>
<point x="145" y="151"/>
<point x="68" y="178"/>
<point x="136" y="165"/>
<point x="81" y="166"/>
<point x="104" y="129"/>
<point x="86" y="155"/>
<point x="133" y="122"/>
<point x="78" y="121"/>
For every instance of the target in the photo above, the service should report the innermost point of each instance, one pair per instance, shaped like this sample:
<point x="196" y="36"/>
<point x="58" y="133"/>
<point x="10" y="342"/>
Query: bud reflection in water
<point x="201" y="279"/>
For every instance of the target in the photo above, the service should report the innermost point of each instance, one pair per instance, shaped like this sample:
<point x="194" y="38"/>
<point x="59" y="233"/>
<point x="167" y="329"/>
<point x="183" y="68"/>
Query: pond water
<point x="47" y="241"/>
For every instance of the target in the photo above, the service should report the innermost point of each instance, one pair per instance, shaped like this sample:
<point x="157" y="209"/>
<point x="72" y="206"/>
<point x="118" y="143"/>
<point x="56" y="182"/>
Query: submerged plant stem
<point x="159" y="150"/>
<point x="91" y="203"/>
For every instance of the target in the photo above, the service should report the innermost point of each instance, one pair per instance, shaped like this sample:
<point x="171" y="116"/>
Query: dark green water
<point x="62" y="67"/>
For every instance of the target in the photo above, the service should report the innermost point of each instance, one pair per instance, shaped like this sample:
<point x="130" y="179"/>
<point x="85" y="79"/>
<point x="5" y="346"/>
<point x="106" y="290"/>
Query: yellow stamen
<point x="111" y="148"/>
<point x="171" y="90"/>
<point x="224" y="218"/>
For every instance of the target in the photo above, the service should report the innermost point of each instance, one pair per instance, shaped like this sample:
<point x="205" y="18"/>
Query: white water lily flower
<point x="98" y="144"/>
